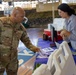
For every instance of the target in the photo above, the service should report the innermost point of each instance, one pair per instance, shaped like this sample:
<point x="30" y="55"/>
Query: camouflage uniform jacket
<point x="10" y="34"/>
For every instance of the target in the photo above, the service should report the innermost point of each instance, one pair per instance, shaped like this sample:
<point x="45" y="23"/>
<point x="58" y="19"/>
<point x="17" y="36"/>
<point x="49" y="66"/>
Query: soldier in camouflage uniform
<point x="11" y="31"/>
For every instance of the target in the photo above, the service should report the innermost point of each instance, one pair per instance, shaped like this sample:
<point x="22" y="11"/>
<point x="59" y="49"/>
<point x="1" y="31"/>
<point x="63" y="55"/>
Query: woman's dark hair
<point x="66" y="8"/>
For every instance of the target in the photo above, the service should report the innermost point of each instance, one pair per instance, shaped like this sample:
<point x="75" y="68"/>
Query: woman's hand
<point x="64" y="33"/>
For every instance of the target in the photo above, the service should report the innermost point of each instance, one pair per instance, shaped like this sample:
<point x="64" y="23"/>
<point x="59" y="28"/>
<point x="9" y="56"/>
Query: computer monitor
<point x="53" y="36"/>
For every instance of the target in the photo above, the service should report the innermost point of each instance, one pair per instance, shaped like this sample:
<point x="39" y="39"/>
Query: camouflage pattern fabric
<point x="10" y="34"/>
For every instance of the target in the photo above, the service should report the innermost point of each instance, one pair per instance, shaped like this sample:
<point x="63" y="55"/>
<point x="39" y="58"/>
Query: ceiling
<point x="25" y="0"/>
<point x="18" y="0"/>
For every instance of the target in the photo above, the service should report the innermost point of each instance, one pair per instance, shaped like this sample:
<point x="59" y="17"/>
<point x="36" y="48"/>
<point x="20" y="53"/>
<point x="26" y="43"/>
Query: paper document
<point x="40" y="55"/>
<point x="46" y="51"/>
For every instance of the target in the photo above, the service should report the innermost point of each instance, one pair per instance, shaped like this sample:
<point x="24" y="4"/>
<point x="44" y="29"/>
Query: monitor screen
<point x="53" y="36"/>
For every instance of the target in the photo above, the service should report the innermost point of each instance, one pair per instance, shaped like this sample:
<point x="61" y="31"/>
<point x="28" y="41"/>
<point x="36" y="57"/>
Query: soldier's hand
<point x="37" y="49"/>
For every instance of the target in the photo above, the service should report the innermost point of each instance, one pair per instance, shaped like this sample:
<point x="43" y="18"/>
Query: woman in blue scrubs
<point x="69" y="33"/>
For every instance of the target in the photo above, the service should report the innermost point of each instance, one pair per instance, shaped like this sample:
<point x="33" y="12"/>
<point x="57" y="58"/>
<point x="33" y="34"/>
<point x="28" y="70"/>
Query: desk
<point x="44" y="44"/>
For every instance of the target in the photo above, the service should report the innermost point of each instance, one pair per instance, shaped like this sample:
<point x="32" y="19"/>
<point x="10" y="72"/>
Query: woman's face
<point x="62" y="13"/>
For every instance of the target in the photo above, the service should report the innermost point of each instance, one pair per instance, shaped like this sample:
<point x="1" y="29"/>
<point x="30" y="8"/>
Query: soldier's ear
<point x="15" y="14"/>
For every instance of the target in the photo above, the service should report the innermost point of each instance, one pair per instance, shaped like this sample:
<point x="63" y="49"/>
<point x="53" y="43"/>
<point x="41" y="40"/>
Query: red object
<point x="58" y="35"/>
<point x="48" y="33"/>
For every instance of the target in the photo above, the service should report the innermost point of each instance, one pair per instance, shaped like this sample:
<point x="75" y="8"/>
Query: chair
<point x="63" y="62"/>
<point x="60" y="62"/>
<point x="44" y="68"/>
